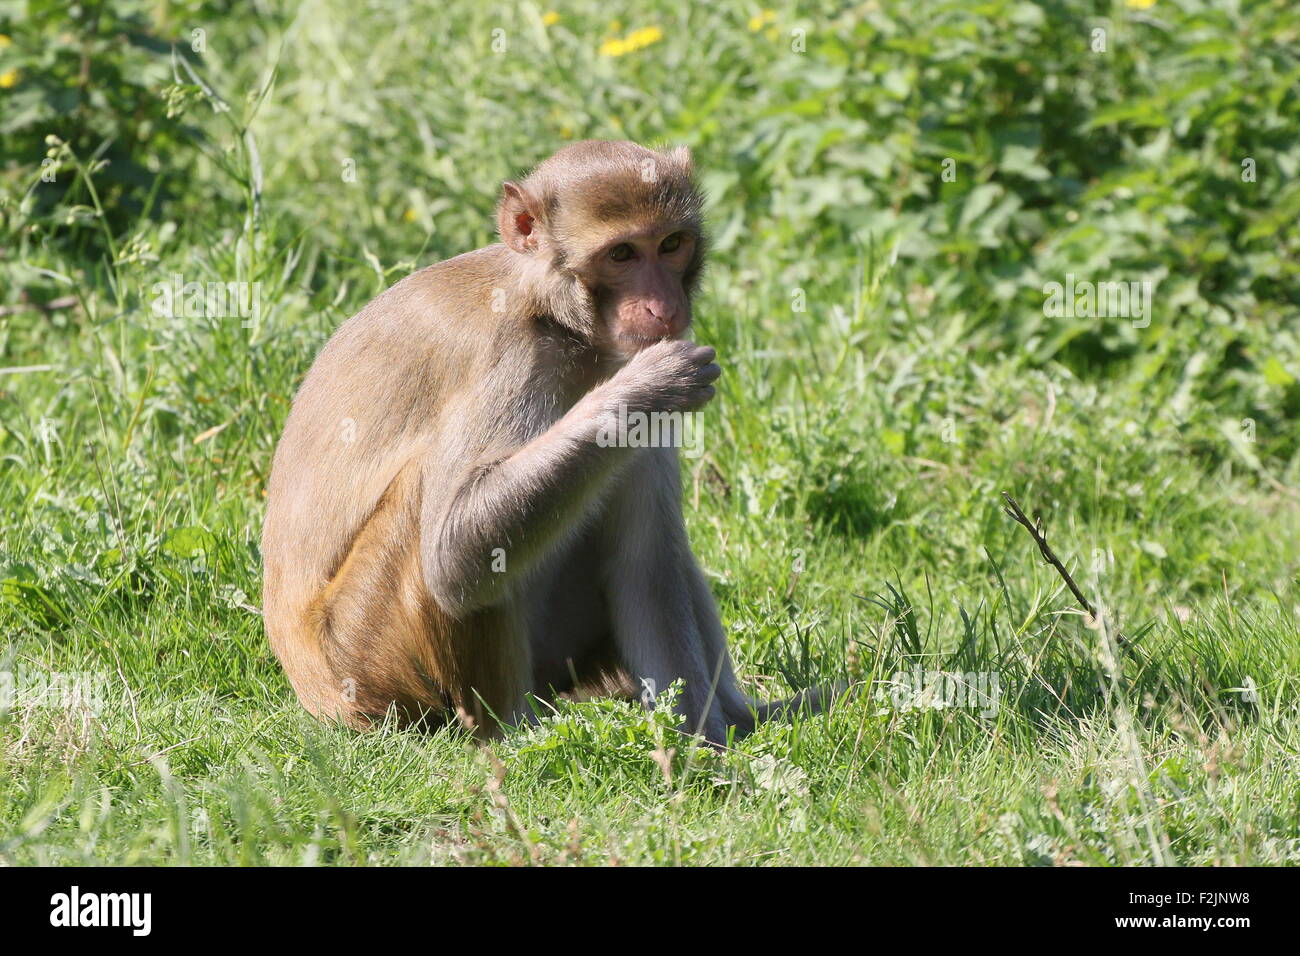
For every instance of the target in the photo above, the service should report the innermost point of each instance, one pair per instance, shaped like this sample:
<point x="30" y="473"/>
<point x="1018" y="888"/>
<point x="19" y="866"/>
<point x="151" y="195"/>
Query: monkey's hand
<point x="669" y="376"/>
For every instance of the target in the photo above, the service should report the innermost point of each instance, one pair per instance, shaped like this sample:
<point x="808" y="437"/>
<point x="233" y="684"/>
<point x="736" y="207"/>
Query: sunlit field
<point x="905" y="201"/>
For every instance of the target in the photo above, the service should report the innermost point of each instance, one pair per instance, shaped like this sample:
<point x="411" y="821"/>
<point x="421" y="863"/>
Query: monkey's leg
<point x="656" y="629"/>
<point x="738" y="710"/>
<point x="389" y="646"/>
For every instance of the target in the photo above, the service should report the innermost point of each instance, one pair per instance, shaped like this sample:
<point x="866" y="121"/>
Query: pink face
<point x="639" y="279"/>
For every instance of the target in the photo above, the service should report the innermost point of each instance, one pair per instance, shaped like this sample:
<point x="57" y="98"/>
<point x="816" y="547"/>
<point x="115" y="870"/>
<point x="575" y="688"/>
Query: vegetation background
<point x="889" y="369"/>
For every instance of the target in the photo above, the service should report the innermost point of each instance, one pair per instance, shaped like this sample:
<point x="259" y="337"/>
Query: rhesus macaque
<point x="445" y="533"/>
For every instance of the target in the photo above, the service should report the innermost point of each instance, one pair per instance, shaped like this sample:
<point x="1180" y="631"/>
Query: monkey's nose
<point x="667" y="321"/>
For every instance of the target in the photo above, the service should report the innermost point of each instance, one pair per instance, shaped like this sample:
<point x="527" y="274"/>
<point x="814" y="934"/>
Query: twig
<point x="163" y="751"/>
<point x="1035" y="529"/>
<point x="64" y="302"/>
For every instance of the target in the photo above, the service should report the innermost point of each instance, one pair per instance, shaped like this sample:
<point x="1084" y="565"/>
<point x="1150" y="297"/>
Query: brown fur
<point x="452" y="421"/>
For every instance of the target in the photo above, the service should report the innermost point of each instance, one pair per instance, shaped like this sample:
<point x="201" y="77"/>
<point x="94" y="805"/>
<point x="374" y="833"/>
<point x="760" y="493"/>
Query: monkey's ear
<point x="682" y="157"/>
<point x="517" y="219"/>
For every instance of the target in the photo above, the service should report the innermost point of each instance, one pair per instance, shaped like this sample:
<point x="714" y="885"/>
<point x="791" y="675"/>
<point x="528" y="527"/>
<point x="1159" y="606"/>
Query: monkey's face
<point x="640" y="283"/>
<point x="616" y="227"/>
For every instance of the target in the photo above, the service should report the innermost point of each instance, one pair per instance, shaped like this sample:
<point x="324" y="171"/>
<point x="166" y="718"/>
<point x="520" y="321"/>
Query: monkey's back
<point x="383" y="389"/>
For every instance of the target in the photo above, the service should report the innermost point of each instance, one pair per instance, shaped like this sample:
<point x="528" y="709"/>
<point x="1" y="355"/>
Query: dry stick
<point x="65" y="302"/>
<point x="1036" y="531"/>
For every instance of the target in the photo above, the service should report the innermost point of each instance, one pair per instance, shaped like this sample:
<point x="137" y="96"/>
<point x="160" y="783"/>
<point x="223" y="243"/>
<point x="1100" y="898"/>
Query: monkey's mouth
<point x="625" y="346"/>
<point x="642" y="341"/>
<point x="635" y="342"/>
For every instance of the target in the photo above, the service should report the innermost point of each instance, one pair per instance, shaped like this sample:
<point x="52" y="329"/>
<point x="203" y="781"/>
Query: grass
<point x="888" y="371"/>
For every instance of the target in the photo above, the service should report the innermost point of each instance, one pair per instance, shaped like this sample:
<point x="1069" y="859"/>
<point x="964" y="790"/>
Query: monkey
<point x="445" y="534"/>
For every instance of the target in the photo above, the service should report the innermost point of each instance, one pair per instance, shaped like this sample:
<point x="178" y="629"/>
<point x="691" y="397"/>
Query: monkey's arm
<point x="522" y="504"/>
<point x="526" y="502"/>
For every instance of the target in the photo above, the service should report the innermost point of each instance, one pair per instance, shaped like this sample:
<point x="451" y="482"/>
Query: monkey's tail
<point x="814" y="700"/>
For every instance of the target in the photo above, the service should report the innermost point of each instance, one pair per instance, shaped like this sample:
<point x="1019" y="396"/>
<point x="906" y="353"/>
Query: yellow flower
<point x="8" y="78"/>
<point x="635" y="40"/>
<point x="1139" y="4"/>
<point x="409" y="215"/>
<point x="644" y="37"/>
<point x="551" y="18"/>
<point x="760" y="20"/>
<point x="4" y="41"/>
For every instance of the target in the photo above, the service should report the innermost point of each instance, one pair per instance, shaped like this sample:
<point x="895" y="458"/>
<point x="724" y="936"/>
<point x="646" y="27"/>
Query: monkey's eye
<point x="672" y="243"/>
<point x="622" y="252"/>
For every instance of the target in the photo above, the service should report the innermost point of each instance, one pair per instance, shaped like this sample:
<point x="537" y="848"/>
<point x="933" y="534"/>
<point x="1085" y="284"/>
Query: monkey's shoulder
<point x="468" y="288"/>
<point x="429" y="314"/>
<point x="456" y="302"/>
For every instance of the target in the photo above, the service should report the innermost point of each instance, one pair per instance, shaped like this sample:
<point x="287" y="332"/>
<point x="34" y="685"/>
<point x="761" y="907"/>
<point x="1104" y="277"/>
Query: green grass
<point x="847" y="506"/>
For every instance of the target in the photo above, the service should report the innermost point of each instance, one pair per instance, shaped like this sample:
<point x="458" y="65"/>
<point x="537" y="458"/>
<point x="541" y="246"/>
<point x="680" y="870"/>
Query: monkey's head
<point x="617" y="227"/>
